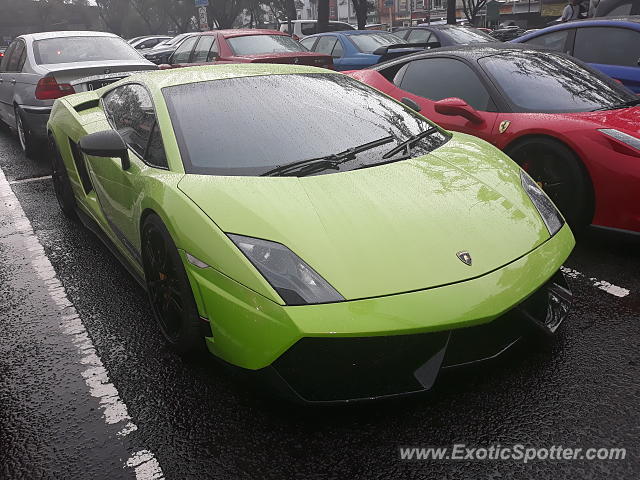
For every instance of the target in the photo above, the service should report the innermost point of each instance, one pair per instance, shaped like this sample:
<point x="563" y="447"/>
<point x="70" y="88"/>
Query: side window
<point x="201" y="52"/>
<point x="308" y="28"/>
<point x="426" y="78"/>
<point x="22" y="60"/>
<point x="214" y="52"/>
<point x="621" y="10"/>
<point x="155" y="150"/>
<point x="420" y="35"/>
<point x="129" y="109"/>
<point x="607" y="45"/>
<point x="308" y="42"/>
<point x="7" y="57"/>
<point x="554" y="40"/>
<point x="182" y="53"/>
<point x="325" y="44"/>
<point x="338" y="51"/>
<point x="16" y="57"/>
<point x="401" y="33"/>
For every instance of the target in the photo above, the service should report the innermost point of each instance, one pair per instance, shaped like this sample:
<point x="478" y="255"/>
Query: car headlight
<point x="622" y="137"/>
<point x="295" y="281"/>
<point x="548" y="211"/>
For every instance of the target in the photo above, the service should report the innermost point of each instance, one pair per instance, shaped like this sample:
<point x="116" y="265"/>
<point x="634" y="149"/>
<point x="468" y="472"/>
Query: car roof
<point x="180" y="76"/>
<point x="239" y="32"/>
<point x="628" y="21"/>
<point x="475" y="51"/>
<point x="436" y="27"/>
<point x="314" y="21"/>
<point x="66" y="33"/>
<point x="349" y="32"/>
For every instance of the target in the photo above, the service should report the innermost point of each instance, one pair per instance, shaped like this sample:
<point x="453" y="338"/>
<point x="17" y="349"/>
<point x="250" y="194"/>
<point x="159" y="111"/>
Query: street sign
<point x="202" y="3"/>
<point x="202" y="18"/>
<point x="388" y="3"/>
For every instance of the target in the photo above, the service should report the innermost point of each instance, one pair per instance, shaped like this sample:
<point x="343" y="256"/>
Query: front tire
<point x="61" y="184"/>
<point x="559" y="172"/>
<point x="28" y="143"/>
<point x="169" y="289"/>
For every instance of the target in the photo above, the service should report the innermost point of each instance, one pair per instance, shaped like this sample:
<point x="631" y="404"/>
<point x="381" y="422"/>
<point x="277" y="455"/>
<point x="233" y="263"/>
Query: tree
<point x="113" y="13"/>
<point x="323" y="16"/>
<point x="225" y="12"/>
<point x="148" y="11"/>
<point x="472" y="7"/>
<point x="451" y="12"/>
<point x="361" y="8"/>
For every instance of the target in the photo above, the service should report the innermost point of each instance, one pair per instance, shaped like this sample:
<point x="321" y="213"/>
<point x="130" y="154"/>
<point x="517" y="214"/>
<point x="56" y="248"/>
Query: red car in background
<point x="245" y="46"/>
<point x="574" y="130"/>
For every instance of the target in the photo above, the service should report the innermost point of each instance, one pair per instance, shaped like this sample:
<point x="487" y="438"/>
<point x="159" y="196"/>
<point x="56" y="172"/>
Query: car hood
<point x="391" y="228"/>
<point x="623" y="119"/>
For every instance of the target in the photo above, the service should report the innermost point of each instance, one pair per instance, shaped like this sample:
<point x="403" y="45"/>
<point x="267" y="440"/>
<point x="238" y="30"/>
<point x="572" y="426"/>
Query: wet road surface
<point x="188" y="418"/>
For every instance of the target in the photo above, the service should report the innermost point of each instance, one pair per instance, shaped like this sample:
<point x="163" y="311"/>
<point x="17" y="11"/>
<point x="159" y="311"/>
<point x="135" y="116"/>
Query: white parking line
<point x="28" y="180"/>
<point x="96" y="377"/>
<point x="601" y="284"/>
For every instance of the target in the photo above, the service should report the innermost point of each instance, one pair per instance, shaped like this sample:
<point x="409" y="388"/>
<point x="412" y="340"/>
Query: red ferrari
<point x="245" y="46"/>
<point x="576" y="131"/>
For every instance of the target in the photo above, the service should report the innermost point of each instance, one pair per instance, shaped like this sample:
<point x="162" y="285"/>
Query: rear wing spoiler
<point x="416" y="46"/>
<point x="113" y="77"/>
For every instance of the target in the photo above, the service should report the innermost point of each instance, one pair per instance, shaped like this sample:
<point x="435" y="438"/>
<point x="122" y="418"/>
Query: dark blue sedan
<point x="357" y="49"/>
<point x="611" y="45"/>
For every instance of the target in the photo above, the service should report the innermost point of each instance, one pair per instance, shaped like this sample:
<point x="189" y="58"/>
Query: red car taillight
<point x="49" y="89"/>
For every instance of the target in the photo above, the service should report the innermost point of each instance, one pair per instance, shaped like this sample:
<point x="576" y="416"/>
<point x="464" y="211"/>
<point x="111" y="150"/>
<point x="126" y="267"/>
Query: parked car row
<point x="288" y="216"/>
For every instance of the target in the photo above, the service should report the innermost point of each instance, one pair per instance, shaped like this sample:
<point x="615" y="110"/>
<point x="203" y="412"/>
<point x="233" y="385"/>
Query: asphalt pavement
<point x="89" y="390"/>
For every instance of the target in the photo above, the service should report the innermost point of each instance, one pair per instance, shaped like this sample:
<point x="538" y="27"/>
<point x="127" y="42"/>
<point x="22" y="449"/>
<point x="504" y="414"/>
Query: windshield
<point x="464" y="35"/>
<point x="368" y="43"/>
<point x="549" y="83"/>
<point x="82" y="49"/>
<point x="260" y="44"/>
<point x="215" y="120"/>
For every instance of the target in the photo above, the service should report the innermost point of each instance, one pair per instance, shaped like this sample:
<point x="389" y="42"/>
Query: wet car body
<point x="356" y="49"/>
<point x="607" y="44"/>
<point x="303" y="264"/>
<point x="245" y="46"/>
<point x="611" y="198"/>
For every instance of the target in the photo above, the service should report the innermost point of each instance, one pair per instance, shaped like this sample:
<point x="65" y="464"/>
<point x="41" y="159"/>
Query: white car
<point x="302" y="28"/>
<point x="37" y="68"/>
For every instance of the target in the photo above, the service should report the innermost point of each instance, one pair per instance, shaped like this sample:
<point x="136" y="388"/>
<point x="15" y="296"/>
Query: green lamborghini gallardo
<point x="305" y="227"/>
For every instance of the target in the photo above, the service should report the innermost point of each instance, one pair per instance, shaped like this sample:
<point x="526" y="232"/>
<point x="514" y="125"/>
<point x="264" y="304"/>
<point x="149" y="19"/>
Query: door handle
<point x="13" y="81"/>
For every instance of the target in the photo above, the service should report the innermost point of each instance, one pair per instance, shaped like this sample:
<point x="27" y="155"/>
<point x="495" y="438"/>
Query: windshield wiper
<point x="408" y="143"/>
<point x="630" y="103"/>
<point x="315" y="165"/>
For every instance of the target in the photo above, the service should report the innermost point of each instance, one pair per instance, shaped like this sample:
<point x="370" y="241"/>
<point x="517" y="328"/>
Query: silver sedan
<point x="38" y="68"/>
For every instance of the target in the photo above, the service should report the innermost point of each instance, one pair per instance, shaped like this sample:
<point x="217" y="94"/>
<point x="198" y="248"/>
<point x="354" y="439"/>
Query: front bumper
<point x="320" y="370"/>
<point x="383" y="346"/>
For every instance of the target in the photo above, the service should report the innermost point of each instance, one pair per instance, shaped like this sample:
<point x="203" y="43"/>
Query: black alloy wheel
<point x="61" y="184"/>
<point x="557" y="170"/>
<point x="169" y="290"/>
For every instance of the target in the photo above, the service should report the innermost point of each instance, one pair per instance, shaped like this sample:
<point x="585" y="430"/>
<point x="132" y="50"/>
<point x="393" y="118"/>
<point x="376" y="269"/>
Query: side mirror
<point x="458" y="107"/>
<point x="411" y="104"/>
<point x="108" y="144"/>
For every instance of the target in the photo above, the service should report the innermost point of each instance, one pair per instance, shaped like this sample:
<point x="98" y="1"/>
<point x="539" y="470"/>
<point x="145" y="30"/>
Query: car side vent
<point x="81" y="107"/>
<point x="81" y="167"/>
